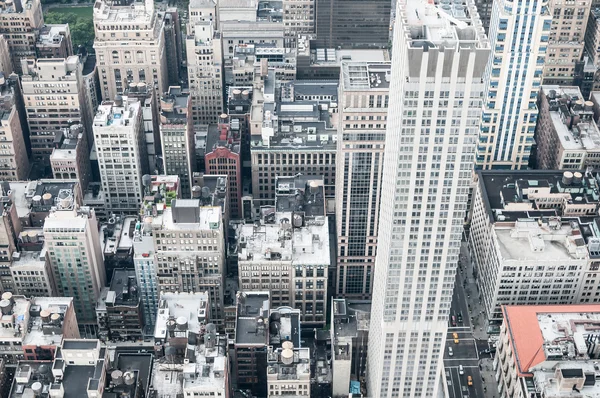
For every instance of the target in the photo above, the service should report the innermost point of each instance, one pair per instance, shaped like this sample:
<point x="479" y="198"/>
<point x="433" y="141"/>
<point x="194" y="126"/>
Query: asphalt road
<point x="466" y="351"/>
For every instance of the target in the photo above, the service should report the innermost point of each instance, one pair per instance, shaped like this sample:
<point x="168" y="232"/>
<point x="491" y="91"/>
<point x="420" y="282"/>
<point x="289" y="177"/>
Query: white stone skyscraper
<point x="433" y="121"/>
<point x="519" y="36"/>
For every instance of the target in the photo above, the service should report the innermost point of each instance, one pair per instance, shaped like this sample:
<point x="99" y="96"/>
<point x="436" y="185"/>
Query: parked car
<point x="450" y="353"/>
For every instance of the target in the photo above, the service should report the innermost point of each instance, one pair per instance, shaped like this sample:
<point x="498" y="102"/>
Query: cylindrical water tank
<point x="45" y="315"/>
<point x="117" y="377"/>
<point x="577" y="177"/>
<point x="211" y="328"/>
<point x="196" y="192"/>
<point x="245" y="94"/>
<point x="8" y="296"/>
<point x="5" y="307"/>
<point x="55" y="318"/>
<point x="287" y="356"/>
<point x="47" y="198"/>
<point x="567" y="178"/>
<point x="236" y="93"/>
<point x="37" y="200"/>
<point x="287" y="345"/>
<point x="182" y="323"/>
<point x="37" y="388"/>
<point x="128" y="378"/>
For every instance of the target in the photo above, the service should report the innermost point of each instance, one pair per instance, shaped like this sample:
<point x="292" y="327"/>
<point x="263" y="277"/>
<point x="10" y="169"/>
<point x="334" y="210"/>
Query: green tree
<point x="82" y="28"/>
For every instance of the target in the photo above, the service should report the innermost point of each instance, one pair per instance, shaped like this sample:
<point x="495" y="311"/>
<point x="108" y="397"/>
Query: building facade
<point x="364" y="94"/>
<point x="76" y="258"/>
<point x="189" y="250"/>
<point x="205" y="71"/>
<point x="55" y="98"/>
<point x="70" y="158"/>
<point x="353" y="23"/>
<point x="143" y="59"/>
<point x="512" y="82"/>
<point x="120" y="148"/>
<point x="14" y="161"/>
<point x="19" y="23"/>
<point x="119" y="311"/>
<point x="292" y="253"/>
<point x="429" y="149"/>
<point x="177" y="137"/>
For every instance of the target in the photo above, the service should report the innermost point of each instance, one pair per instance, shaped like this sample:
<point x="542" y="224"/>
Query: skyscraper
<point x="177" y="137"/>
<point x="120" y="145"/>
<point x="73" y="244"/>
<point x="353" y="23"/>
<point x="364" y="93"/>
<point x="436" y="90"/>
<point x="130" y="45"/>
<point x="519" y="39"/>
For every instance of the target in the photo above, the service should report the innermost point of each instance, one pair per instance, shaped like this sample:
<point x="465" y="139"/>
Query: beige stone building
<point x="70" y="158"/>
<point x="55" y="98"/>
<point x="130" y="46"/>
<point x="189" y="249"/>
<point x="120" y="147"/>
<point x="566" y="40"/>
<point x="298" y="19"/>
<point x="205" y="72"/>
<point x="14" y="163"/>
<point x="19" y="22"/>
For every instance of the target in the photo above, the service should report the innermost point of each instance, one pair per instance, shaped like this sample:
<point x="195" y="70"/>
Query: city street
<point x="466" y="320"/>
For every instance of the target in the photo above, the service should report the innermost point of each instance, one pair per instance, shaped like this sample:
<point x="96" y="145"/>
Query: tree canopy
<point x="82" y="28"/>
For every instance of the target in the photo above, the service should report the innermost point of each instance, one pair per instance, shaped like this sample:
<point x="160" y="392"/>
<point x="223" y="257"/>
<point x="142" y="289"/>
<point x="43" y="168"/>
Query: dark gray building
<point x="484" y="8"/>
<point x="353" y="23"/>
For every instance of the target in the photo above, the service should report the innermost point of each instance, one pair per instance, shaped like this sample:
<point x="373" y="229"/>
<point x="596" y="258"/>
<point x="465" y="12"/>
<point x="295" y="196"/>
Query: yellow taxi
<point x="455" y="335"/>
<point x="469" y="380"/>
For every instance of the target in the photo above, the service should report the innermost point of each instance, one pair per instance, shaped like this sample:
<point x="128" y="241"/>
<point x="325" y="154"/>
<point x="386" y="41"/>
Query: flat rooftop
<point x="47" y="333"/>
<point x="28" y="196"/>
<point x="118" y="113"/>
<point x="334" y="57"/>
<point x="436" y="24"/>
<point x="528" y="240"/>
<point x="255" y="305"/>
<point x="277" y="240"/>
<point x="510" y="195"/>
<point x="180" y="305"/>
<point x="123" y="288"/>
<point x="566" y="104"/>
<point x="300" y="194"/>
<point x="532" y="327"/>
<point x="366" y="75"/>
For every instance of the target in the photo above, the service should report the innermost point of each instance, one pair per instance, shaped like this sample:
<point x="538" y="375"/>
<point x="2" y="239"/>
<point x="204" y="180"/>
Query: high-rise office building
<point x="364" y="93"/>
<point x="298" y="19"/>
<point x="435" y="92"/>
<point x="47" y="114"/>
<point x="73" y="244"/>
<point x="484" y="9"/>
<point x="205" y="71"/>
<point x="177" y="137"/>
<point x="566" y="41"/>
<point x="120" y="146"/>
<point x="519" y="40"/>
<point x="353" y="23"/>
<point x="141" y="27"/>
<point x="193" y="264"/>
<point x="20" y="21"/>
<point x="222" y="157"/>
